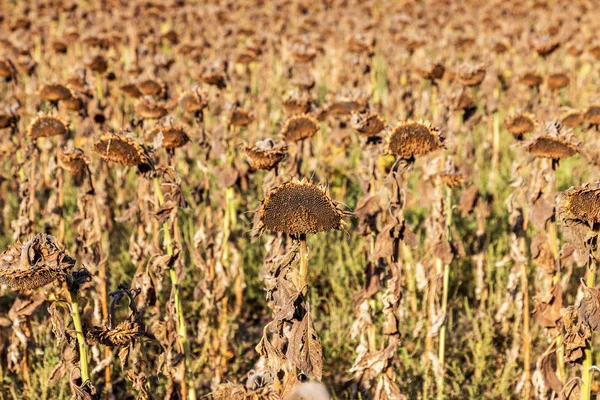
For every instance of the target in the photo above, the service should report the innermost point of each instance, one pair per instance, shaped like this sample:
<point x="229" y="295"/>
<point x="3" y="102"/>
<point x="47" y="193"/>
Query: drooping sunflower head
<point x="173" y="136"/>
<point x="521" y="123"/>
<point x="411" y="138"/>
<point x="553" y="144"/>
<point x="47" y="125"/>
<point x="368" y="123"/>
<point x="123" y="150"/>
<point x="35" y="263"/>
<point x="54" y="92"/>
<point x="471" y="75"/>
<point x="150" y="87"/>
<point x="149" y="110"/>
<point x="592" y="114"/>
<point x="571" y="118"/>
<point x="193" y="102"/>
<point x="240" y="117"/>
<point x="299" y="127"/>
<point x="557" y="80"/>
<point x="580" y="203"/>
<point x="265" y="154"/>
<point x="297" y="208"/>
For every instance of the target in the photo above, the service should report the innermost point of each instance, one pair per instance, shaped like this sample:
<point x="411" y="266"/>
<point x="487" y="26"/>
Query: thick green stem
<point x="586" y="373"/>
<point x="182" y="330"/>
<point x="83" y="360"/>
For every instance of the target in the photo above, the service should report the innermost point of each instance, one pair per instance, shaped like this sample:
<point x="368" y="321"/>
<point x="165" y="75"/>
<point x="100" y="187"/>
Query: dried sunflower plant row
<point x="319" y="200"/>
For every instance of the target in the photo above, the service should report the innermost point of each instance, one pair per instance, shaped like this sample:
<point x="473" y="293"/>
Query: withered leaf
<point x="367" y="210"/>
<point x="542" y="211"/>
<point x="304" y="348"/>
<point x="576" y="335"/>
<point x="468" y="200"/>
<point x="548" y="373"/>
<point x="547" y="308"/>
<point x="541" y="253"/>
<point x="168" y="209"/>
<point x="443" y="251"/>
<point x="274" y="357"/>
<point x="589" y="308"/>
<point x="58" y="323"/>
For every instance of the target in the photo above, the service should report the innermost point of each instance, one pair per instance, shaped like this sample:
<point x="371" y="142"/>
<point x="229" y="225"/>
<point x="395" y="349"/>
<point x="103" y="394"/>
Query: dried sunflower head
<point x="553" y="147"/>
<point x="122" y="335"/>
<point x="580" y="203"/>
<point x="240" y="117"/>
<point x="123" y="150"/>
<point x="521" y="123"/>
<point x="367" y="123"/>
<point x="571" y="118"/>
<point x="46" y="126"/>
<point x="296" y="208"/>
<point x="246" y="56"/>
<point x="54" y="92"/>
<point x="299" y="127"/>
<point x="7" y="119"/>
<point x="431" y="71"/>
<point x="461" y="100"/>
<point x="346" y="106"/>
<point x="295" y="103"/>
<point x="7" y="68"/>
<point x="150" y="87"/>
<point x="98" y="64"/>
<point x="265" y="154"/>
<point x="471" y="75"/>
<point x="74" y="103"/>
<point x="35" y="263"/>
<point x="147" y="110"/>
<point x="75" y="162"/>
<point x="173" y="136"/>
<point x="193" y="102"/>
<point x="557" y="80"/>
<point x="592" y="114"/>
<point x="531" y="79"/>
<point x="452" y="179"/>
<point x="215" y="78"/>
<point x="410" y="138"/>
<point x="545" y="45"/>
<point x="131" y="90"/>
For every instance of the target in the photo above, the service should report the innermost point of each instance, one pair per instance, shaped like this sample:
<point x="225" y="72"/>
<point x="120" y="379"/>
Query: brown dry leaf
<point x="547" y="309"/>
<point x="273" y="356"/>
<point x="542" y="211"/>
<point x="576" y="335"/>
<point x="443" y="251"/>
<point x="139" y="382"/>
<point x="544" y="365"/>
<point x="58" y="323"/>
<point x="541" y="253"/>
<point x="304" y="348"/>
<point x="168" y="209"/>
<point x="589" y="308"/>
<point x="367" y="210"/>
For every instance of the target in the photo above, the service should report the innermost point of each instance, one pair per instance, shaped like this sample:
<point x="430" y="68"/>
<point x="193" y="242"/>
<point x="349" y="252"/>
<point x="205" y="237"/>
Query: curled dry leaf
<point x="304" y="348"/>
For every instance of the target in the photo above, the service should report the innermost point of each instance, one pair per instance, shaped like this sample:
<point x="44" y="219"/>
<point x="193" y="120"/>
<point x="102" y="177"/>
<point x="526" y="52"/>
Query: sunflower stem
<point x="182" y="330"/>
<point x="303" y="264"/>
<point x="83" y="360"/>
<point x="586" y="373"/>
